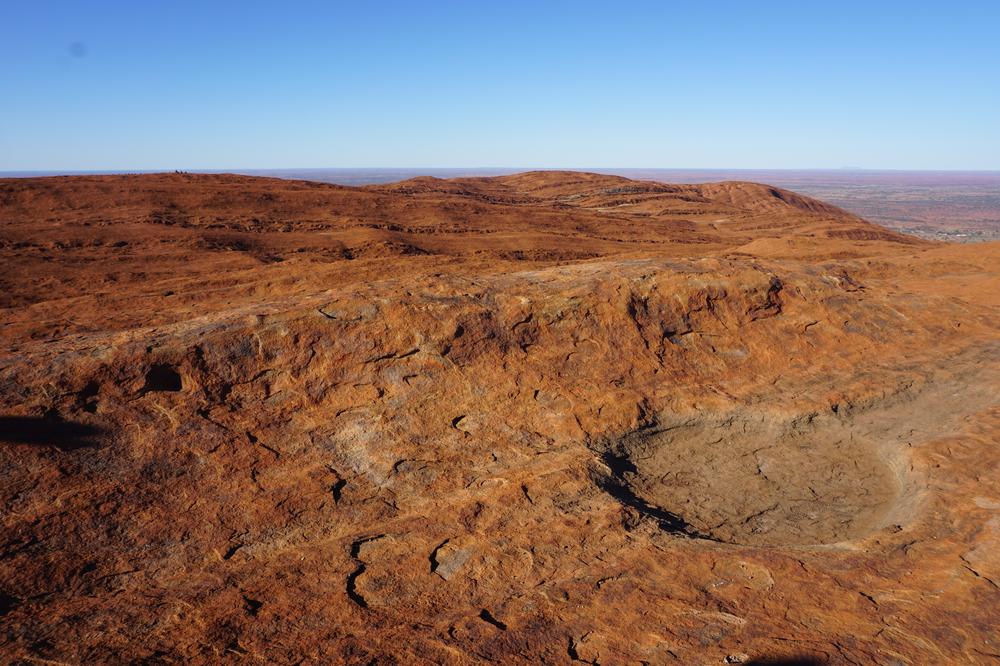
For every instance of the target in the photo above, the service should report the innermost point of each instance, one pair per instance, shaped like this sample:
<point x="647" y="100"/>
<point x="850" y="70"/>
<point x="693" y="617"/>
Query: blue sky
<point x="216" y="85"/>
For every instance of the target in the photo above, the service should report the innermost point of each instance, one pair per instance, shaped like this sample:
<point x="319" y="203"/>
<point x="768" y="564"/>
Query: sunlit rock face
<point x="546" y="417"/>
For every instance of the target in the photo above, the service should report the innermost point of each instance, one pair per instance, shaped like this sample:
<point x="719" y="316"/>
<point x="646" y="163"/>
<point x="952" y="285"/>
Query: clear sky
<point x="158" y="84"/>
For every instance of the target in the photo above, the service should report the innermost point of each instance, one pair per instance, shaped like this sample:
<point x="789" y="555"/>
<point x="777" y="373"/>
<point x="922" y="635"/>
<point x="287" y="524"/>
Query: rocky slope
<point x="546" y="417"/>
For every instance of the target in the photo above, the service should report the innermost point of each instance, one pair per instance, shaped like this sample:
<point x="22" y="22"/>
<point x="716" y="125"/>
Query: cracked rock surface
<point x="551" y="417"/>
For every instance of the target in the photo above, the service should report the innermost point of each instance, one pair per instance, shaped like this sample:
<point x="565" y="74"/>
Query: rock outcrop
<point x="547" y="417"/>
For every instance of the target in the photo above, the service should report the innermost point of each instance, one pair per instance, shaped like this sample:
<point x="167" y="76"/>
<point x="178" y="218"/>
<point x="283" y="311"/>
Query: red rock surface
<point x="549" y="417"/>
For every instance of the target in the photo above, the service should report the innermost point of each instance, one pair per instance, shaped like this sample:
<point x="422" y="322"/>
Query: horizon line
<point x="236" y="170"/>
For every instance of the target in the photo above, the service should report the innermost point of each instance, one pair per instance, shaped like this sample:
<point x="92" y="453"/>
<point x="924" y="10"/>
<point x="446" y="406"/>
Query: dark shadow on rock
<point x="162" y="378"/>
<point x="7" y="603"/>
<point x="618" y="488"/>
<point x="48" y="431"/>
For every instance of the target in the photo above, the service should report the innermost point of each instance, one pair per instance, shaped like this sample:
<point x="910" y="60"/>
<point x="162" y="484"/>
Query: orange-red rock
<point x="545" y="417"/>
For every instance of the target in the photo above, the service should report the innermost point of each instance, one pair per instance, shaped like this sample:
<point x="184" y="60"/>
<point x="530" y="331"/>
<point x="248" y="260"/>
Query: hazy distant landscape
<point x="942" y="205"/>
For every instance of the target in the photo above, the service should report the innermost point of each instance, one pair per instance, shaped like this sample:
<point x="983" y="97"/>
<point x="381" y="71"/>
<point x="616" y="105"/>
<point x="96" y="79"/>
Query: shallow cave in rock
<point x="162" y="378"/>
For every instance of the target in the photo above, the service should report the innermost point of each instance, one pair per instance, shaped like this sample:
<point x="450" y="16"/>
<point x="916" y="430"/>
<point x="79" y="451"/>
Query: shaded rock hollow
<point x="742" y="481"/>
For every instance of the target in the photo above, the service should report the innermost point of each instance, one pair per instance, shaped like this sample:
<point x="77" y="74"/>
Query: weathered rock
<point x="490" y="419"/>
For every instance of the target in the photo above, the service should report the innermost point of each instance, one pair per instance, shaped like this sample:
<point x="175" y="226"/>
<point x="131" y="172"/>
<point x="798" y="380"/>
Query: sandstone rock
<point x="503" y="420"/>
<point x="449" y="558"/>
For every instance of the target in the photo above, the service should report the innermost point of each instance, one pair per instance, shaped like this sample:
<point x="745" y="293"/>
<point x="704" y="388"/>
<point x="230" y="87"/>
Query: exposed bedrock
<point x="745" y="480"/>
<point x="642" y="458"/>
